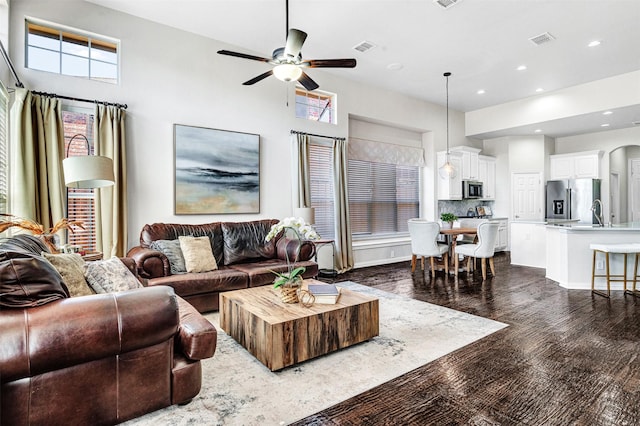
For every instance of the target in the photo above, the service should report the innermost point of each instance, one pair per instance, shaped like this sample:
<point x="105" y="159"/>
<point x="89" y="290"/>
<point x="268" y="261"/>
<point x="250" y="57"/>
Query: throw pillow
<point x="28" y="280"/>
<point x="171" y="249"/>
<point x="110" y="276"/>
<point x="71" y="268"/>
<point x="198" y="256"/>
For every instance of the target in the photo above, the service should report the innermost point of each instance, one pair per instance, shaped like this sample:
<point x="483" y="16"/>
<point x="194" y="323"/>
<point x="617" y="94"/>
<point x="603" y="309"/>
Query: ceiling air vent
<point x="364" y="46"/>
<point x="446" y="4"/>
<point x="541" y="39"/>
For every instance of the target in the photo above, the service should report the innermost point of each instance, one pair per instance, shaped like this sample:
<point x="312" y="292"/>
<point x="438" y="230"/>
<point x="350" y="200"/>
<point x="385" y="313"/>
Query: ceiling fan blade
<point x="295" y="40"/>
<point x="258" y="78"/>
<point x="243" y="55"/>
<point x="307" y="82"/>
<point x="331" y="63"/>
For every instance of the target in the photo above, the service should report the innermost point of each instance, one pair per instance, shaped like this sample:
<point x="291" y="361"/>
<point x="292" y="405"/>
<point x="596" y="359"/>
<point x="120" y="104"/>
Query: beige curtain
<point x="111" y="201"/>
<point x="304" y="182"/>
<point x="344" y="249"/>
<point x="37" y="150"/>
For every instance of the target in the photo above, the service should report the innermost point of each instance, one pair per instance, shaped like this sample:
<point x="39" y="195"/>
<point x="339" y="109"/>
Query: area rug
<point x="238" y="390"/>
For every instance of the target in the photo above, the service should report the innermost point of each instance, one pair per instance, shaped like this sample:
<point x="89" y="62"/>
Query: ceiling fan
<point x="288" y="62"/>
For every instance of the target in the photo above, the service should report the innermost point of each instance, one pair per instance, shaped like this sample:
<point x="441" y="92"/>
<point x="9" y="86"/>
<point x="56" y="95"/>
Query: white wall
<point x="170" y="76"/>
<point x="5" y="75"/>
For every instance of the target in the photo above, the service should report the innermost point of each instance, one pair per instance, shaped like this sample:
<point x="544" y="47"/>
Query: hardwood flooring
<point x="567" y="357"/>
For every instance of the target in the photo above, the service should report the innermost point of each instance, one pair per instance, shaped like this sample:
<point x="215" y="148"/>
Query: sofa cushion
<point x="197" y="253"/>
<point x="222" y="279"/>
<point x="245" y="241"/>
<point x="27" y="280"/>
<point x="71" y="267"/>
<point x="110" y="276"/>
<point x="262" y="273"/>
<point x="171" y="249"/>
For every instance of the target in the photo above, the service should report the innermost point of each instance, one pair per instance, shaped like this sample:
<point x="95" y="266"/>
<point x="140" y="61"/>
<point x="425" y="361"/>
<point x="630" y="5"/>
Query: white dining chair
<point x="424" y="243"/>
<point x="467" y="238"/>
<point x="484" y="249"/>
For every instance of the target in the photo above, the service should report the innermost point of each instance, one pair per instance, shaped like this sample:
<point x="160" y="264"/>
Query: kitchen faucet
<point x="593" y="209"/>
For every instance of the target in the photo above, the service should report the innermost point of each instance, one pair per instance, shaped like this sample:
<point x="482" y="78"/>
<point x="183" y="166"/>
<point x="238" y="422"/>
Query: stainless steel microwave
<point x="471" y="189"/>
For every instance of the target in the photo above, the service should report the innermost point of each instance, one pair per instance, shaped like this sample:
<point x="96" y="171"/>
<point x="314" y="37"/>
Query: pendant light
<point x="447" y="171"/>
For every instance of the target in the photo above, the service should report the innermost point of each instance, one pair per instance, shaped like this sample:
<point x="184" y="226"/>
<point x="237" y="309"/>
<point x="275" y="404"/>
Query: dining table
<point x="452" y="236"/>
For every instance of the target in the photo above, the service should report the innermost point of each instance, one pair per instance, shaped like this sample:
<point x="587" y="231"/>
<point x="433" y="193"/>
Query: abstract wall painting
<point x="216" y="171"/>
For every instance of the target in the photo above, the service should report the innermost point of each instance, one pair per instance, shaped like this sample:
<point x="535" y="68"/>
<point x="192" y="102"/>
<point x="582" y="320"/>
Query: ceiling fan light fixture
<point x="287" y="72"/>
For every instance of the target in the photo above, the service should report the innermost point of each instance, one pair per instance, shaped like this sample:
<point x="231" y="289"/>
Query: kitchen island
<point x="569" y="258"/>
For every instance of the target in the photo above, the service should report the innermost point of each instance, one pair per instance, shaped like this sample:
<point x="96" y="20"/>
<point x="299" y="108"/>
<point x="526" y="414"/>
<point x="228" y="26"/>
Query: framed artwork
<point x="216" y="171"/>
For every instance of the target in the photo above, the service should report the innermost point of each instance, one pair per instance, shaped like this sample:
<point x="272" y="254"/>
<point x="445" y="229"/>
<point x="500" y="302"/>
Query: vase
<point x="289" y="290"/>
<point x="446" y="225"/>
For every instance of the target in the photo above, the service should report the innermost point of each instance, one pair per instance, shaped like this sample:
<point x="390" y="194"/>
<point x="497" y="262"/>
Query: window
<point x="80" y="202"/>
<point x="71" y="52"/>
<point x="4" y="143"/>
<point x="315" y="105"/>
<point x="382" y="197"/>
<point x="321" y="177"/>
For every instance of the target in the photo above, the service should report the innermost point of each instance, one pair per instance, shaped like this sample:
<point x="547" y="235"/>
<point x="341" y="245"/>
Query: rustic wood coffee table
<point x="279" y="334"/>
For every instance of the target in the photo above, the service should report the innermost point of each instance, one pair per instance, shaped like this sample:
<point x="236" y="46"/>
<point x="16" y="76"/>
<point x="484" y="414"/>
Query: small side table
<point x="93" y="256"/>
<point x="329" y="273"/>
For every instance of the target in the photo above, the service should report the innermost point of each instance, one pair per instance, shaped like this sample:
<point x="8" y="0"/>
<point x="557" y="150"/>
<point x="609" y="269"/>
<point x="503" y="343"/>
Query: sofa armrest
<point x="289" y="247"/>
<point x="197" y="337"/>
<point x="151" y="263"/>
<point x="82" y="329"/>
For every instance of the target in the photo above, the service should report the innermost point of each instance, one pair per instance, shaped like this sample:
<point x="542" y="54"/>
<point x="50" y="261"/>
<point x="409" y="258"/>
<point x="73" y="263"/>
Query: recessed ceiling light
<point x="481" y="92"/>
<point x="537" y="130"/>
<point x="594" y="43"/>
<point x="604" y="125"/>
<point x="395" y="66"/>
<point x="539" y="89"/>
<point x="607" y="113"/>
<point x="521" y="68"/>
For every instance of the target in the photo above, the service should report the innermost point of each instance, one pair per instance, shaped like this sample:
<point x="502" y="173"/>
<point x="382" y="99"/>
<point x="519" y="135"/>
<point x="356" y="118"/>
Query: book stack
<point x="326" y="294"/>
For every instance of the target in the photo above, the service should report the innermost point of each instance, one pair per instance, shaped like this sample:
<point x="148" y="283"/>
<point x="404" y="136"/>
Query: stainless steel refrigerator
<point x="572" y="199"/>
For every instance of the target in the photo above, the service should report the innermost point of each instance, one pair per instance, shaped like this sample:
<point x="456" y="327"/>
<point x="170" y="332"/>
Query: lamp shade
<point x="306" y="213"/>
<point x="88" y="171"/>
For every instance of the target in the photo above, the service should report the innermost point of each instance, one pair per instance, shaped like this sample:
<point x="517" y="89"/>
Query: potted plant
<point x="48" y="236"/>
<point x="289" y="282"/>
<point x="448" y="218"/>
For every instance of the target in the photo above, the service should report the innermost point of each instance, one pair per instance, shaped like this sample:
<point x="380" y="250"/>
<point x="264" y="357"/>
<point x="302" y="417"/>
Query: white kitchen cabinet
<point x="487" y="175"/>
<point x="503" y="234"/>
<point x="450" y="189"/>
<point x="575" y="165"/>
<point x="469" y="161"/>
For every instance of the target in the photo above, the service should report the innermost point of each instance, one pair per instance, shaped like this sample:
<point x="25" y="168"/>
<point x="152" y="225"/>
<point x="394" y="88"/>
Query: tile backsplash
<point x="460" y="208"/>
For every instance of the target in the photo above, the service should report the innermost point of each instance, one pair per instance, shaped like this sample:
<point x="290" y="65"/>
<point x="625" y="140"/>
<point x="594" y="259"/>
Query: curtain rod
<point x="53" y="95"/>
<point x="317" y="136"/>
<point x="7" y="60"/>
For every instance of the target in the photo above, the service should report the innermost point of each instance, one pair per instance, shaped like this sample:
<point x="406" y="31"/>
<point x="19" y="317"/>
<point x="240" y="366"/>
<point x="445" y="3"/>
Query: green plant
<point x="448" y="217"/>
<point x="288" y="277"/>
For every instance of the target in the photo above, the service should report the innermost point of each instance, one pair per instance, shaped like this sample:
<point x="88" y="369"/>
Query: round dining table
<point x="452" y="236"/>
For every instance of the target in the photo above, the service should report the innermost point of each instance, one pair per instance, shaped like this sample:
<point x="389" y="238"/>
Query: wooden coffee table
<point x="279" y="334"/>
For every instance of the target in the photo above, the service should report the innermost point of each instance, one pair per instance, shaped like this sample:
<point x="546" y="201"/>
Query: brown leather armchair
<point x="99" y="359"/>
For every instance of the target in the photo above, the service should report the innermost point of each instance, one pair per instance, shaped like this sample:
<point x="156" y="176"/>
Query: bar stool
<point x="625" y="249"/>
<point x="636" y="277"/>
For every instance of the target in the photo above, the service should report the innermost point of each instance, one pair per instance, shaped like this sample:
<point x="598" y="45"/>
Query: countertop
<point x="581" y="227"/>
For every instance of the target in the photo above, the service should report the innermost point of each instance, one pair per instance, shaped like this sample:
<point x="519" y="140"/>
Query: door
<point x="634" y="190"/>
<point x="614" y="197"/>
<point x="526" y="196"/>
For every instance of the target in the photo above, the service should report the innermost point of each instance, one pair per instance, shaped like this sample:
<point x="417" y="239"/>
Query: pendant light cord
<point x="447" y="74"/>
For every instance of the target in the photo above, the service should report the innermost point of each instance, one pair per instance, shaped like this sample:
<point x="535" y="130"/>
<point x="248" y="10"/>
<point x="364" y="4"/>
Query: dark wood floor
<point x="567" y="357"/>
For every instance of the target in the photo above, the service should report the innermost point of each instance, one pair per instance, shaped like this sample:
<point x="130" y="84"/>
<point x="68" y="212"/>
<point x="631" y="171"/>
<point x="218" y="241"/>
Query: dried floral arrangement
<point x="8" y="221"/>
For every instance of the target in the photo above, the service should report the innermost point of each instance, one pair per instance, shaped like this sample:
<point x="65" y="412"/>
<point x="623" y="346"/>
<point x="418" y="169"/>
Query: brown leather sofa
<point x="244" y="258"/>
<point x="99" y="359"/>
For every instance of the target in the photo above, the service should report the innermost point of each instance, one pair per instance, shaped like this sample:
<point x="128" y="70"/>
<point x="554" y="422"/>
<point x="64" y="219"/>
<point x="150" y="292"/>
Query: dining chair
<point x="424" y="243"/>
<point x="484" y="249"/>
<point x="467" y="238"/>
